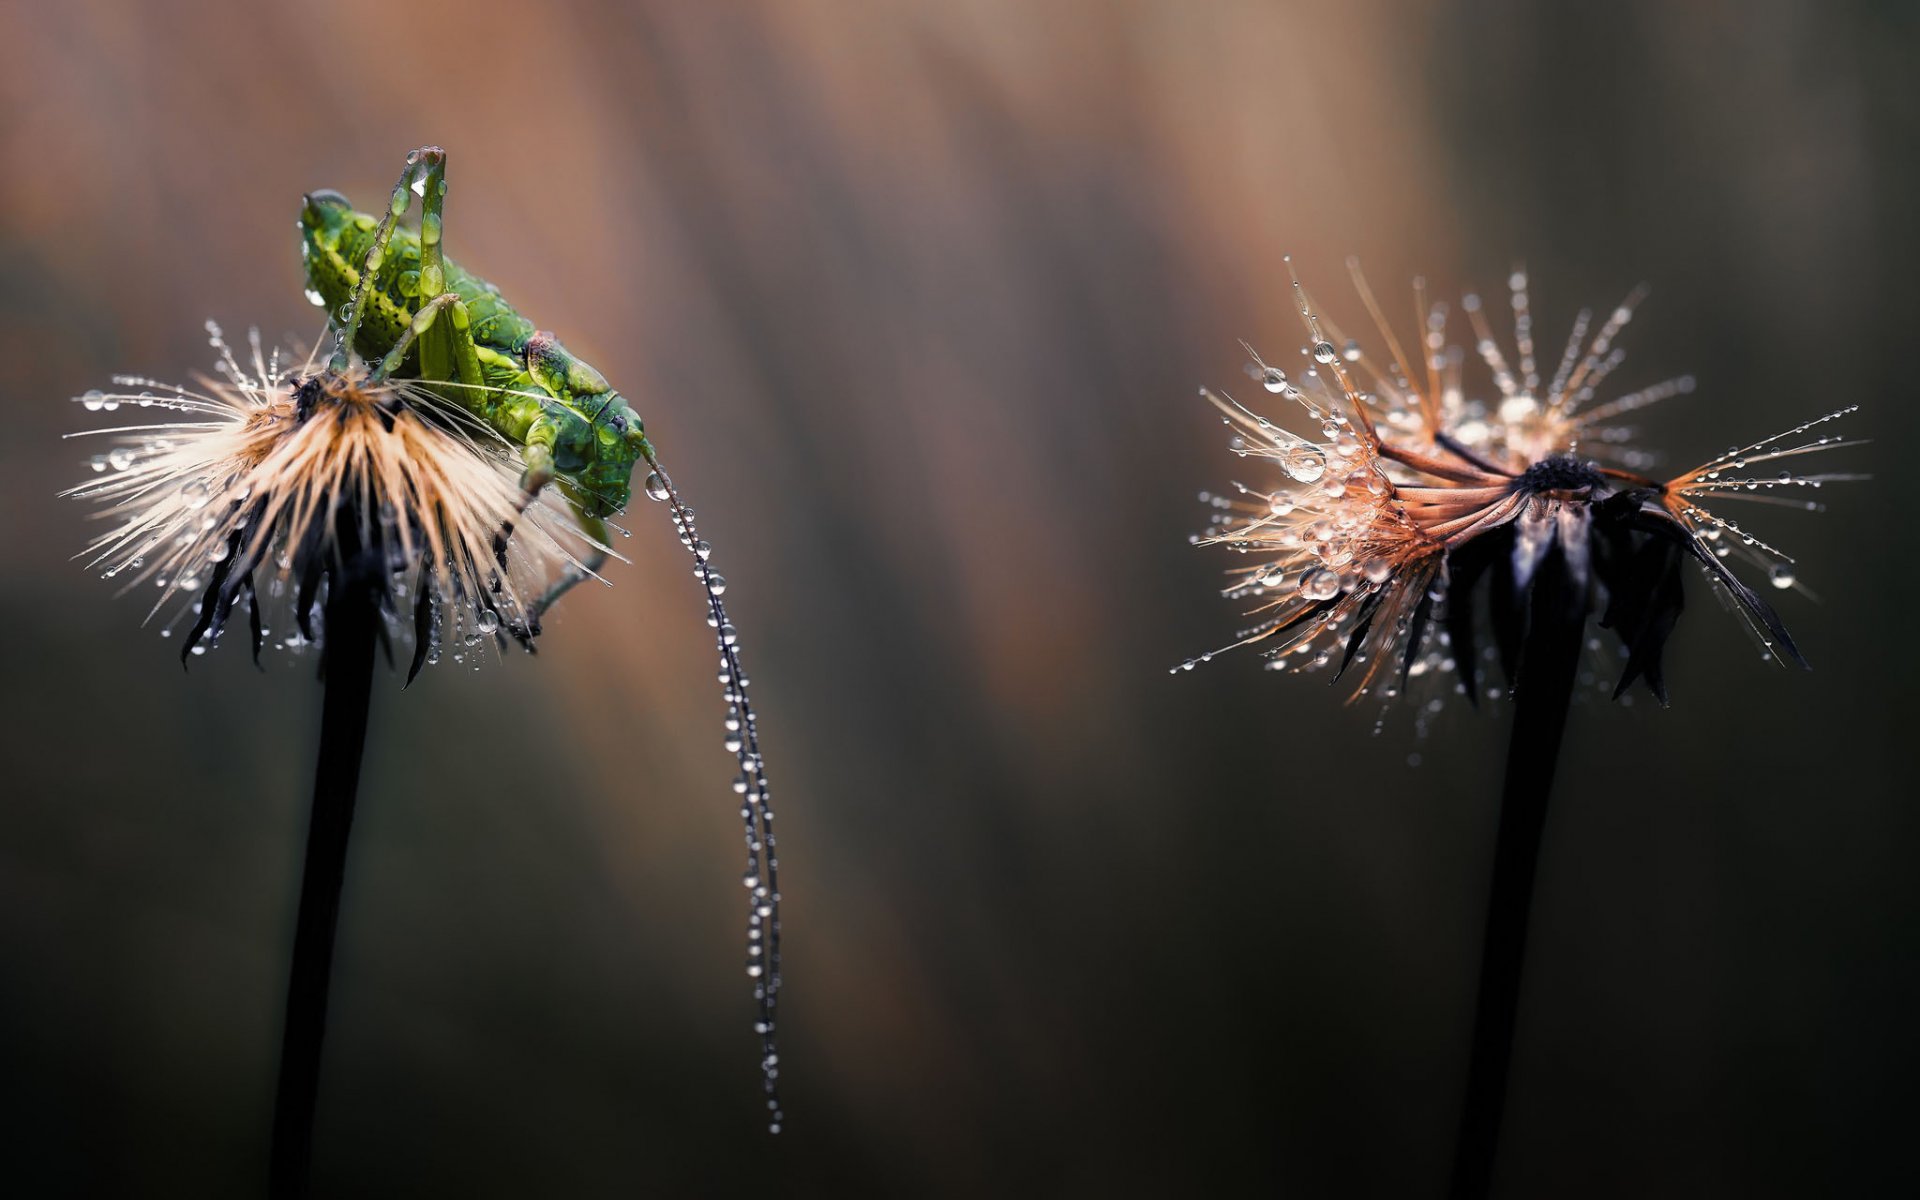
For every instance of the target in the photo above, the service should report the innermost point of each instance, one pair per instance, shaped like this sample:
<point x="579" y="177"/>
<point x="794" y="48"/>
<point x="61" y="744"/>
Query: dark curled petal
<point x="1295" y="621"/>
<point x="253" y="619"/>
<point x="1416" y="634"/>
<point x="1748" y="599"/>
<point x="215" y="602"/>
<point x="229" y="596"/>
<point x="1658" y="591"/>
<point x="1626" y="596"/>
<point x="1465" y="566"/>
<point x="1655" y="521"/>
<point x="1643" y="596"/>
<point x="1304" y="615"/>
<point x="310" y="577"/>
<point x="1614" y="561"/>
<point x="1368" y="610"/>
<point x="1627" y="509"/>
<point x="422" y="631"/>
<point x="1509" y="604"/>
<point x="386" y="642"/>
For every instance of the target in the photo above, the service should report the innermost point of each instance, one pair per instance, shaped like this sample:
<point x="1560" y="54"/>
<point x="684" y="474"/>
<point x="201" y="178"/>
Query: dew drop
<point x="487" y="621"/>
<point x="1303" y="463"/>
<point x="120" y="458"/>
<point x="1274" y="379"/>
<point x="1323" y="352"/>
<point x="1781" y="575"/>
<point x="1319" y="584"/>
<point x="717" y="584"/>
<point x="93" y="400"/>
<point x="195" y="494"/>
<point x="655" y="487"/>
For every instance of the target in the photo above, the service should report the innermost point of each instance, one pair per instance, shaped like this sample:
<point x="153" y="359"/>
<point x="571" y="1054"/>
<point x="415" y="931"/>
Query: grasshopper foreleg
<point x="430" y="158"/>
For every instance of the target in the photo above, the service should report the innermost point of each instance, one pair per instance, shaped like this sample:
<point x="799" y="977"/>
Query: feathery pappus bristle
<point x="277" y="480"/>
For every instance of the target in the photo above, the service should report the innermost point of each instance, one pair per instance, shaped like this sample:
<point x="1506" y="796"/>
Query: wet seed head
<point x="1396" y="490"/>
<point x="259" y="488"/>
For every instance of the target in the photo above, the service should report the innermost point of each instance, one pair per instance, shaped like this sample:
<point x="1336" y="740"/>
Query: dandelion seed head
<point x="1392" y="491"/>
<point x="266" y="483"/>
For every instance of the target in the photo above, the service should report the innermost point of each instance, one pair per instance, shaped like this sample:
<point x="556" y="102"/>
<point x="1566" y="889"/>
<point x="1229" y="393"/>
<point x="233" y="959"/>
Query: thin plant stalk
<point x="1542" y="692"/>
<point x="347" y="653"/>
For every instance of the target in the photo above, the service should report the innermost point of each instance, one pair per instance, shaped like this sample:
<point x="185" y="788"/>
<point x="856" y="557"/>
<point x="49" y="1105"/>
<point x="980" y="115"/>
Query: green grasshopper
<point x="404" y="305"/>
<point x="398" y="301"/>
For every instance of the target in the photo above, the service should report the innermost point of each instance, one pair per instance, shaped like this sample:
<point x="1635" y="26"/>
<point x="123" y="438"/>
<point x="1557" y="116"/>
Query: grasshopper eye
<point x="617" y="423"/>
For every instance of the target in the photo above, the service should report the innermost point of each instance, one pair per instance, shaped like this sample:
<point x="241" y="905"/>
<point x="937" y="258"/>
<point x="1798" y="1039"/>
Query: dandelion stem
<point x="1543" y="689"/>
<point x="351" y="625"/>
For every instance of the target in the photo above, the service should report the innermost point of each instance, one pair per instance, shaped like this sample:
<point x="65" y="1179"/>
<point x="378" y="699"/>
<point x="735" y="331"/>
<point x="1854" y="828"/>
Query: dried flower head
<point x="1382" y="525"/>
<point x="301" y="480"/>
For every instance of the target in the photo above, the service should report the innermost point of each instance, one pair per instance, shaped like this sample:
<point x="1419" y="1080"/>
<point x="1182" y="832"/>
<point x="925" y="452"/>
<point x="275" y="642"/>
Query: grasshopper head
<point x="614" y="441"/>
<point x="327" y="220"/>
<point x="620" y="444"/>
<point x="324" y="216"/>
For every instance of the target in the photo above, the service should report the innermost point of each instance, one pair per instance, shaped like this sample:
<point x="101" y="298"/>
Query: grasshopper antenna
<point x="762" y="878"/>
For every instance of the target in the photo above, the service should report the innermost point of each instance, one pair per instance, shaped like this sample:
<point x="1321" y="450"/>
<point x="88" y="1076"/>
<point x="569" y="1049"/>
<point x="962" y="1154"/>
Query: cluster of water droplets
<point x="1353" y="540"/>
<point x="1737" y="475"/>
<point x="1328" y="532"/>
<point x="742" y="740"/>
<point x="177" y="526"/>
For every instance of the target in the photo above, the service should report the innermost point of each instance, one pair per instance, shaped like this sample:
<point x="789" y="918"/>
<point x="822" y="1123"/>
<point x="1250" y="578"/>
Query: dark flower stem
<point x="347" y="649"/>
<point x="1549" y="662"/>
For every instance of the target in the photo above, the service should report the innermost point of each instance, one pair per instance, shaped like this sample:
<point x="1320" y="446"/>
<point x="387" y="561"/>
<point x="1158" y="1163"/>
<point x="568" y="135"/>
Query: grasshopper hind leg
<point x="538" y="474"/>
<point x="595" y="530"/>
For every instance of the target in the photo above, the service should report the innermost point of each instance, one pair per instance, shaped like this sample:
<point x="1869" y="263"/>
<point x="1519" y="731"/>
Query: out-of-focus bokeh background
<point x="915" y="298"/>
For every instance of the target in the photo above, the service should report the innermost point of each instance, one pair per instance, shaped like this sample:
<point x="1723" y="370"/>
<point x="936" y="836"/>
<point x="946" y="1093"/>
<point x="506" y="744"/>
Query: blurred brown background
<point x="915" y="298"/>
